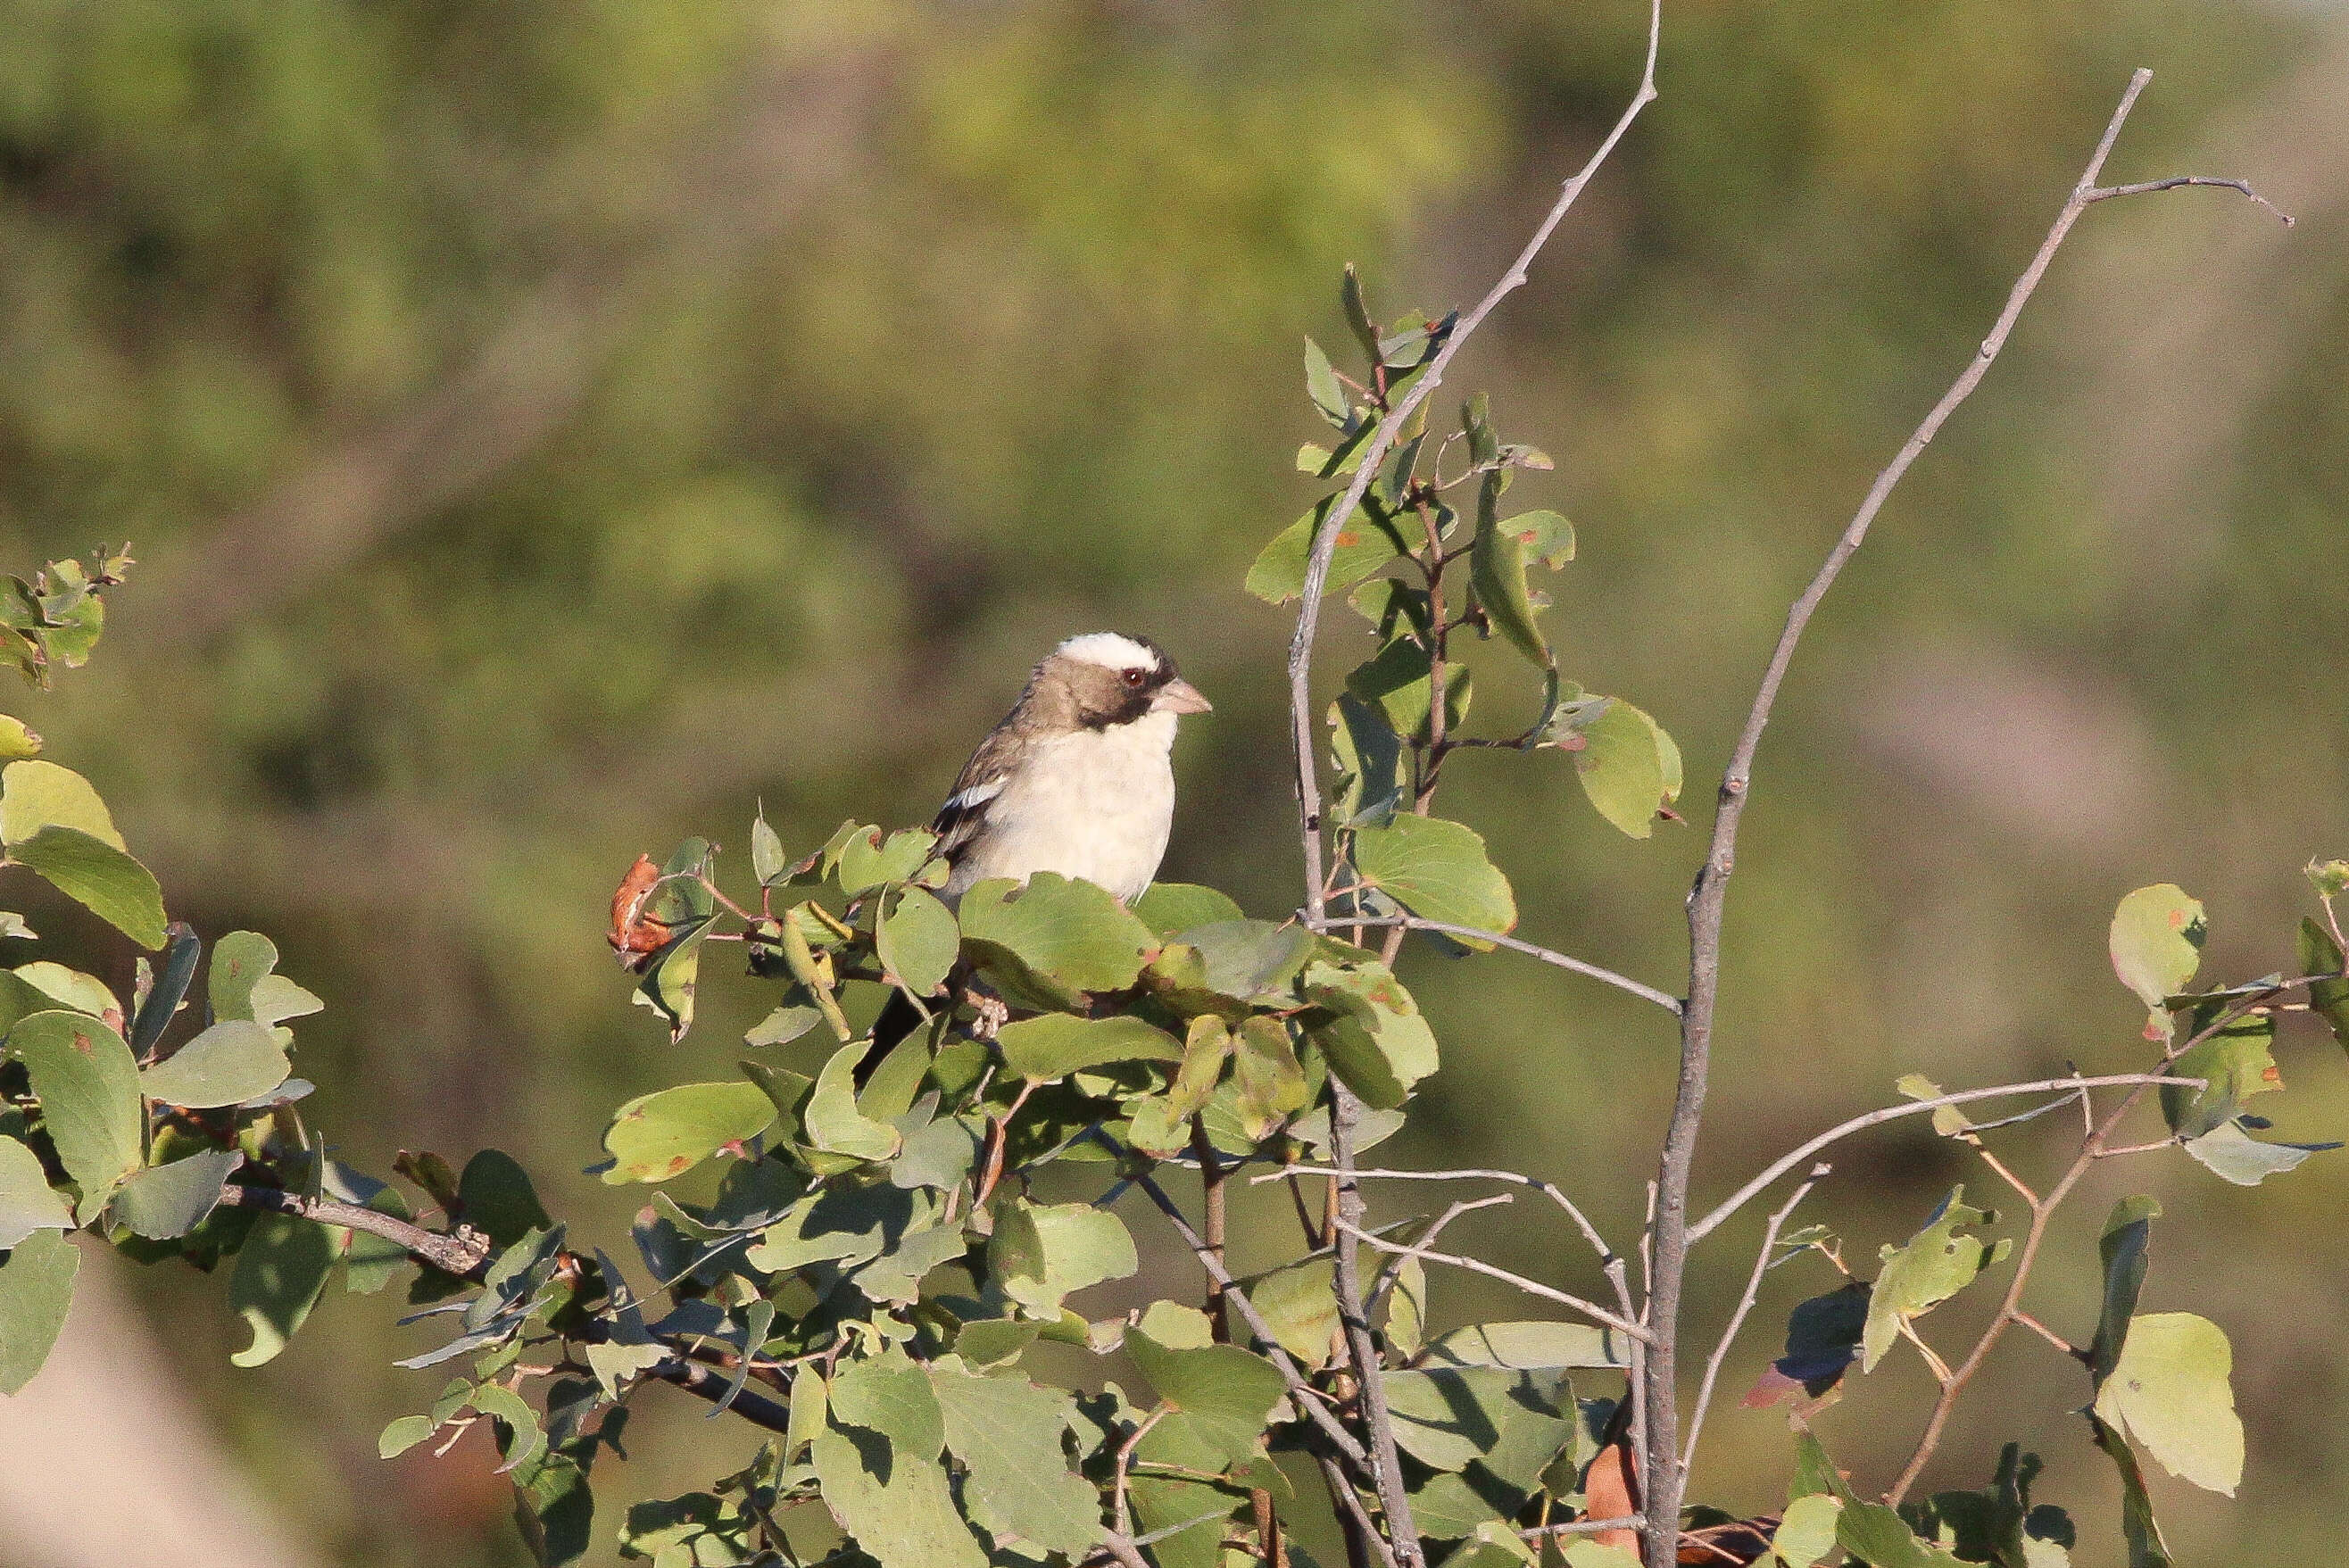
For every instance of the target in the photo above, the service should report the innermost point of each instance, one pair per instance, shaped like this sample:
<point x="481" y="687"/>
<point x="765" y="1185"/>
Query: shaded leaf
<point x="2235" y="1063"/>
<point x="2127" y="1239"/>
<point x="2328" y="999"/>
<point x="1399" y="681"/>
<point x="28" y="1201"/>
<point x="1008" y="1432"/>
<point x="37" y="1285"/>
<point x="1366" y="543"/>
<point x="279" y="1273"/>
<point x="2233" y="1155"/>
<point x="1877" y="1534"/>
<point x="2140" y="1529"/>
<point x="1497" y="570"/>
<point x="1042" y="1253"/>
<point x="897" y="1508"/>
<point x="88" y="1085"/>
<point x="166" y="1201"/>
<point x="495" y="1197"/>
<point x="1219" y="1398"/>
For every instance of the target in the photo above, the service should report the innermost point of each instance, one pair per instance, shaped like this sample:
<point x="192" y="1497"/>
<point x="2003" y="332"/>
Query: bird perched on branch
<point x="1076" y="779"/>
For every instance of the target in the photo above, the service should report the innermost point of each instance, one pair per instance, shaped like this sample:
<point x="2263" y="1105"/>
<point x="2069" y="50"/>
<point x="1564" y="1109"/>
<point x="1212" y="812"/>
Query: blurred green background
<point x="549" y="428"/>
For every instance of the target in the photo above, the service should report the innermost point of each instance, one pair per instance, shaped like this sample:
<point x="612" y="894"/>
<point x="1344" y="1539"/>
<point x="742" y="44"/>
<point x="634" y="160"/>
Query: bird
<point x="1077" y="779"/>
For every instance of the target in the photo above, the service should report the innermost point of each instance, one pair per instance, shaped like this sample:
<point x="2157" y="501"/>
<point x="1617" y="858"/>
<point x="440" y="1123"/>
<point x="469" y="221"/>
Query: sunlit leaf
<point x="1437" y="870"/>
<point x="230" y="1063"/>
<point x="99" y="877"/>
<point x="88" y="1085"/>
<point x="2170" y="1391"/>
<point x="1936" y="1263"/>
<point x="664" y="1134"/>
<point x="2157" y="944"/>
<point x="37" y="1285"/>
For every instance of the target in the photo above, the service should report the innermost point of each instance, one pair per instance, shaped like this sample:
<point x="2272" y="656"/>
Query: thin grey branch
<point x="1669" y="1002"/>
<point x="1393" y="1271"/>
<point x="1737" y="1319"/>
<point x="2175" y="181"/>
<point x="1590" y="1309"/>
<point x="1660" y="1471"/>
<point x="1843" y="1129"/>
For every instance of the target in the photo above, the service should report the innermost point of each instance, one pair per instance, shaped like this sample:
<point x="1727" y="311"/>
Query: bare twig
<point x="1669" y="1004"/>
<point x="1378" y="1434"/>
<point x="1580" y="1527"/>
<point x="1393" y="1271"/>
<point x="467" y="1259"/>
<point x="1841" y="1131"/>
<point x="1745" y="1306"/>
<point x="1590" y="1309"/>
<point x="1707" y="899"/>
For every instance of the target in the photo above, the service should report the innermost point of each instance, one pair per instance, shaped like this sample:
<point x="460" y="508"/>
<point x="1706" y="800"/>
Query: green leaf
<point x="554" y="1508"/>
<point x="672" y="977"/>
<point x="1008" y="1431"/>
<point x="1936" y="1264"/>
<point x="2128" y="1237"/>
<point x="228" y="1064"/>
<point x="898" y="1508"/>
<point x="2328" y="999"/>
<point x="1040" y="1254"/>
<point x="1438" y="871"/>
<point x="1366" y="543"/>
<point x="37" y="795"/>
<point x="1169" y="907"/>
<point x="403" y="1434"/>
<point x="36" y="1290"/>
<point x="1628" y="767"/>
<point x="1249" y="959"/>
<point x="2157" y="944"/>
<point x="16" y="741"/>
<point x="889" y="1395"/>
<point x="1299" y="1306"/>
<point x="1877" y="1534"/>
<point x="166" y="1201"/>
<point x="99" y="877"/>
<point x="241" y="961"/>
<point x="664" y="1134"/>
<point x="1531" y="1347"/>
<point x="768" y="861"/>
<point x="28" y="1201"/>
<point x="1057" y="1045"/>
<point x="1548" y="537"/>
<point x="2233" y="1155"/>
<point x="1270" y="1081"/>
<point x="68" y="988"/>
<point x="1806" y="1531"/>
<point x="525" y="1441"/>
<point x="1511" y="1424"/>
<point x="832" y="1120"/>
<point x="88" y="1088"/>
<point x="1373" y="1034"/>
<point x="279" y="1274"/>
<point x="1322" y="385"/>
<point x="867" y="860"/>
<point x="1399" y="681"/>
<point x="2168" y="1390"/>
<point x="496" y="1198"/>
<point x="1057" y="934"/>
<point x="1219" y="1398"/>
<point x="2235" y="1063"/>
<point x="1368" y="757"/>
<point x="1358" y="312"/>
<point x="1586" y="1553"/>
<point x="1497" y="571"/>
<point x="2140" y="1529"/>
<point x="917" y="941"/>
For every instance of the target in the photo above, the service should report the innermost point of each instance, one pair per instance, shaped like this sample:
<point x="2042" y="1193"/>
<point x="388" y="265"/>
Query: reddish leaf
<point x="634" y="936"/>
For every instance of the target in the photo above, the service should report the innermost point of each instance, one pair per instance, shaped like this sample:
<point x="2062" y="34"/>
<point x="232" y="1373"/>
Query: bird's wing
<point x="961" y="819"/>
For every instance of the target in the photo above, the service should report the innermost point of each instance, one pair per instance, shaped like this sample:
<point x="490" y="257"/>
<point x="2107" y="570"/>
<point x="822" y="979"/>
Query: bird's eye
<point x="1132" y="678"/>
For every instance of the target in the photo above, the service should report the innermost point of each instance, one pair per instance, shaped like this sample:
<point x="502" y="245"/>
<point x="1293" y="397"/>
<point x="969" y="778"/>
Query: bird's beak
<point x="1180" y="696"/>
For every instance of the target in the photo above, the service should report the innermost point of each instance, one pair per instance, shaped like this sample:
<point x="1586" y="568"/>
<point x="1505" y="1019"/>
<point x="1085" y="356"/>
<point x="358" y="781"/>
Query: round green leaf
<point x="228" y="1064"/>
<point x="1057" y="1044"/>
<point x="98" y="876"/>
<point x="2170" y="1391"/>
<point x="918" y="940"/>
<point x="28" y="1201"/>
<point x="1437" y="870"/>
<point x="36" y="1290"/>
<point x="166" y="1201"/>
<point x="657" y="1136"/>
<point x="37" y="795"/>
<point x="2157" y="944"/>
<point x="1629" y="768"/>
<point x="88" y="1085"/>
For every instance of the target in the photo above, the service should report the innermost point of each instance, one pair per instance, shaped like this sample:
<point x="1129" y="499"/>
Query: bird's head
<point x="1105" y="678"/>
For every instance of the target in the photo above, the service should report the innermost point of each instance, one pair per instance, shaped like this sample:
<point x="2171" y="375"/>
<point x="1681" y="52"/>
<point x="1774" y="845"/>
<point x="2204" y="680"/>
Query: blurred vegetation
<point x="549" y="428"/>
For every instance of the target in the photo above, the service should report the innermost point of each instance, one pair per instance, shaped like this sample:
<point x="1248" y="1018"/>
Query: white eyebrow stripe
<point x="977" y="795"/>
<point x="1109" y="650"/>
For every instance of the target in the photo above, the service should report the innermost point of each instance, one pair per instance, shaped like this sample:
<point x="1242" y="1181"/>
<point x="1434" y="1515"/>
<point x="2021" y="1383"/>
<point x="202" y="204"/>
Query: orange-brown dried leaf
<point x="1609" y="1492"/>
<point x="634" y="936"/>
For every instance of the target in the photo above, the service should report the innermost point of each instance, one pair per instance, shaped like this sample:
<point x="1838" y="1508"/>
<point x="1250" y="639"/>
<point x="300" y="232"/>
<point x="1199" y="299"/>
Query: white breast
<point x="1097" y="804"/>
